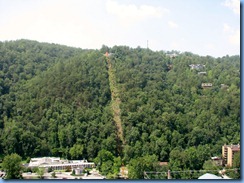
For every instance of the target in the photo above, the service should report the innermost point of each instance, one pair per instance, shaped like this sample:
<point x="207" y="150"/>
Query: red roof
<point x="235" y="149"/>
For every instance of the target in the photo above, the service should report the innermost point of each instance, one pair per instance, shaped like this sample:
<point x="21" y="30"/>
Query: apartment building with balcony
<point x="228" y="152"/>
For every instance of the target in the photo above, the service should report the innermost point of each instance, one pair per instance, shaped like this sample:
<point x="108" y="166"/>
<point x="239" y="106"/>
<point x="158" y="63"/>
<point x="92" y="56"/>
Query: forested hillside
<point x="61" y="111"/>
<point x="167" y="113"/>
<point x="56" y="101"/>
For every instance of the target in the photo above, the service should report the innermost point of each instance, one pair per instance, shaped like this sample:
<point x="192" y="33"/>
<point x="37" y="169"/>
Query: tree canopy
<point x="56" y="101"/>
<point x="12" y="166"/>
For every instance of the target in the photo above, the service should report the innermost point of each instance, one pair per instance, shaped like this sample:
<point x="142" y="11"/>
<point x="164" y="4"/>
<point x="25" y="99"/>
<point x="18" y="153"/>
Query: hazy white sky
<point x="204" y="27"/>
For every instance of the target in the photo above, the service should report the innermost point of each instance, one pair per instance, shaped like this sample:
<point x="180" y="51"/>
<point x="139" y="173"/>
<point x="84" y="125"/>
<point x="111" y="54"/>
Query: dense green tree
<point x="210" y="165"/>
<point x="108" y="164"/>
<point x="12" y="166"/>
<point x="138" y="165"/>
<point x="76" y="151"/>
<point x="237" y="160"/>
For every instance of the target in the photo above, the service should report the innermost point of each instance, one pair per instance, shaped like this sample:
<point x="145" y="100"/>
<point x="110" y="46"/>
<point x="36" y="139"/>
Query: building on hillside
<point x="171" y="55"/>
<point x="217" y="160"/>
<point x="58" y="164"/>
<point x="197" y="66"/>
<point x="228" y="152"/>
<point x="202" y="73"/>
<point x="163" y="163"/>
<point x="224" y="86"/>
<point x="170" y="66"/>
<point x="107" y="54"/>
<point x="207" y="85"/>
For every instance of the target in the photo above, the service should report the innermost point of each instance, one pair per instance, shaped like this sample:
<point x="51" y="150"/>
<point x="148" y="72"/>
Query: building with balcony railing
<point x="228" y="152"/>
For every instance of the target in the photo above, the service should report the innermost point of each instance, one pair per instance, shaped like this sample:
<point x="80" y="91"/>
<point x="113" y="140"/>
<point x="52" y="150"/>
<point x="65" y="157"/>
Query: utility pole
<point x="147" y="44"/>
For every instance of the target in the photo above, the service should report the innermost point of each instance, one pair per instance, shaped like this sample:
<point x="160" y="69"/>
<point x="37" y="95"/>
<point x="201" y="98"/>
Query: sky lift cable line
<point x="115" y="102"/>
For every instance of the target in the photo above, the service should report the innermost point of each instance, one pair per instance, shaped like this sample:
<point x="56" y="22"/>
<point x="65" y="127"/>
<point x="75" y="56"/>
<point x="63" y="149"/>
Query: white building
<point x="58" y="164"/>
<point x="197" y="66"/>
<point x="207" y="85"/>
<point x="209" y="176"/>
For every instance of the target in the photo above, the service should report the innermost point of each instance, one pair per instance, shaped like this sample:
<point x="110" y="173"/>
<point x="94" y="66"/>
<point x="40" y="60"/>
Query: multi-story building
<point x="228" y="152"/>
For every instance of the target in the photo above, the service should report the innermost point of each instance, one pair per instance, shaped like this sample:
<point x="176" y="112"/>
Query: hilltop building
<point x="171" y="55"/>
<point x="197" y="66"/>
<point x="107" y="54"/>
<point x="228" y="152"/>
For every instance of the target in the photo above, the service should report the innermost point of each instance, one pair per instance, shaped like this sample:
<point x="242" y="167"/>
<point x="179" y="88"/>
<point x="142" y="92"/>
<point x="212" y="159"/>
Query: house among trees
<point x="171" y="55"/>
<point x="197" y="66"/>
<point x="217" y="160"/>
<point x="163" y="163"/>
<point x="170" y="66"/>
<point x="107" y="54"/>
<point x="224" y="86"/>
<point x="207" y="85"/>
<point x="202" y="73"/>
<point x="228" y="152"/>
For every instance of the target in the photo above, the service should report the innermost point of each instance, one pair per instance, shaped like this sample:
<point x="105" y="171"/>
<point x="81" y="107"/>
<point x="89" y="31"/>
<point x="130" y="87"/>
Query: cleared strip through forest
<point x="115" y="103"/>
